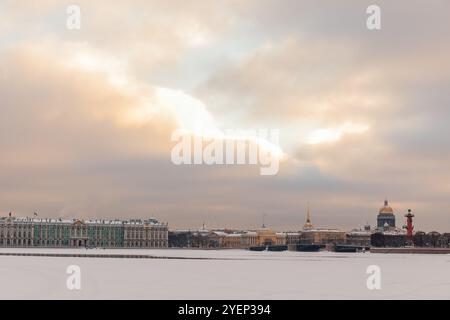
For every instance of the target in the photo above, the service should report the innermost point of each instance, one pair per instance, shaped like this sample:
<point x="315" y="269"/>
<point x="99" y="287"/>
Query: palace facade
<point x="59" y="233"/>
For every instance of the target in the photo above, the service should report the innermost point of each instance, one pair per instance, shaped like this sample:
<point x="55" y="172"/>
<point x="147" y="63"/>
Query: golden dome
<point x="386" y="209"/>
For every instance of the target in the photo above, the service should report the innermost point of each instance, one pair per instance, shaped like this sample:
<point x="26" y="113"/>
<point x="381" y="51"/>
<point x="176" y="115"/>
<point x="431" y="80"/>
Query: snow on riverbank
<point x="238" y="275"/>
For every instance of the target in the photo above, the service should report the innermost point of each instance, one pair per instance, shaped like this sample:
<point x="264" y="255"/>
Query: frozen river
<point x="227" y="274"/>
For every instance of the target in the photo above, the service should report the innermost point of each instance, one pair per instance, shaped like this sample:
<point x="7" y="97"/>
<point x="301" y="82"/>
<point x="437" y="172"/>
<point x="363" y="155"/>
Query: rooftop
<point x="35" y="220"/>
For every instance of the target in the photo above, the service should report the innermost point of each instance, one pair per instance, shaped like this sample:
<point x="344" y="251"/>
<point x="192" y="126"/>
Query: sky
<point x="87" y="115"/>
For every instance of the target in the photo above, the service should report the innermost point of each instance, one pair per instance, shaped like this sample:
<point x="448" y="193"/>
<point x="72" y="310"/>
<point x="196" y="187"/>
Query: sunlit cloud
<point x="360" y="115"/>
<point x="331" y="135"/>
<point x="194" y="118"/>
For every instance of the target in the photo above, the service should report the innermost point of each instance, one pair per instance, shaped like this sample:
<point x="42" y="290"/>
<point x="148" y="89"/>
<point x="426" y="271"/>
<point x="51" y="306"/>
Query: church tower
<point x="308" y="225"/>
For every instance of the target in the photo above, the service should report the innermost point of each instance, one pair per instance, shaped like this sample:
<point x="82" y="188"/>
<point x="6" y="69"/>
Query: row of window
<point x="50" y="238"/>
<point x="65" y="233"/>
<point x="75" y="243"/>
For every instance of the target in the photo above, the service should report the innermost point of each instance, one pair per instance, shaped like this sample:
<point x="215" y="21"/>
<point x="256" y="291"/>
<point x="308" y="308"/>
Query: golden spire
<point x="308" y="225"/>
<point x="308" y="214"/>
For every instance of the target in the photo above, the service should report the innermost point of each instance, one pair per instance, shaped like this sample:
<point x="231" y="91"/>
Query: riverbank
<point x="411" y="250"/>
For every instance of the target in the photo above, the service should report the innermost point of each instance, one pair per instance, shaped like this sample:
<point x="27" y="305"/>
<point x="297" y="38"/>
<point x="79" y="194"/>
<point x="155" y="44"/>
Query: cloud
<point x="87" y="116"/>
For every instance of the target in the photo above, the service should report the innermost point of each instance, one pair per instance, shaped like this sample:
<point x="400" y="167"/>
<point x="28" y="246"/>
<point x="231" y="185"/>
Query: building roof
<point x="360" y="233"/>
<point x="386" y="209"/>
<point x="35" y="220"/>
<point x="324" y="230"/>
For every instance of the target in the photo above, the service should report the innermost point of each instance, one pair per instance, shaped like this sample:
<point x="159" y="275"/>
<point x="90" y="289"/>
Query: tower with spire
<point x="308" y="225"/>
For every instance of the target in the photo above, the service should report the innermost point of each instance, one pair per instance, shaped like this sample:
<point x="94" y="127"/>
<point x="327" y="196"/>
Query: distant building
<point x="202" y="238"/>
<point x="267" y="237"/>
<point x="280" y="239"/>
<point x="247" y="239"/>
<point x="391" y="239"/>
<point x="323" y="236"/>
<point x="359" y="238"/>
<point x="386" y="217"/>
<point x="311" y="235"/>
<point x="225" y="239"/>
<point x="387" y="234"/>
<point x="250" y="239"/>
<point x="293" y="238"/>
<point x="180" y="239"/>
<point x="233" y="240"/>
<point x="59" y="233"/>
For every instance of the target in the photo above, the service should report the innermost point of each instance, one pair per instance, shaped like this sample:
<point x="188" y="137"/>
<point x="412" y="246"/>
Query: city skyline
<point x="88" y="114"/>
<point x="308" y="221"/>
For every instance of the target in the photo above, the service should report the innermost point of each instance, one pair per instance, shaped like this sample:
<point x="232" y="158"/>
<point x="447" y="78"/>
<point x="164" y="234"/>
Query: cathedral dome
<point x="386" y="209"/>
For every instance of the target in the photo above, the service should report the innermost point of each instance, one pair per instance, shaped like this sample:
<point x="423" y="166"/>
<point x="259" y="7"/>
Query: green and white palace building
<point x="59" y="233"/>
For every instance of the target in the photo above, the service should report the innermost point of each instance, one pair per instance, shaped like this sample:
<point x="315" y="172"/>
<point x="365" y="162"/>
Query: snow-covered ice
<point x="236" y="274"/>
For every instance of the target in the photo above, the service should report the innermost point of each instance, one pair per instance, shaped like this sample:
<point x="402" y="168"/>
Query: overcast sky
<point x="87" y="115"/>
